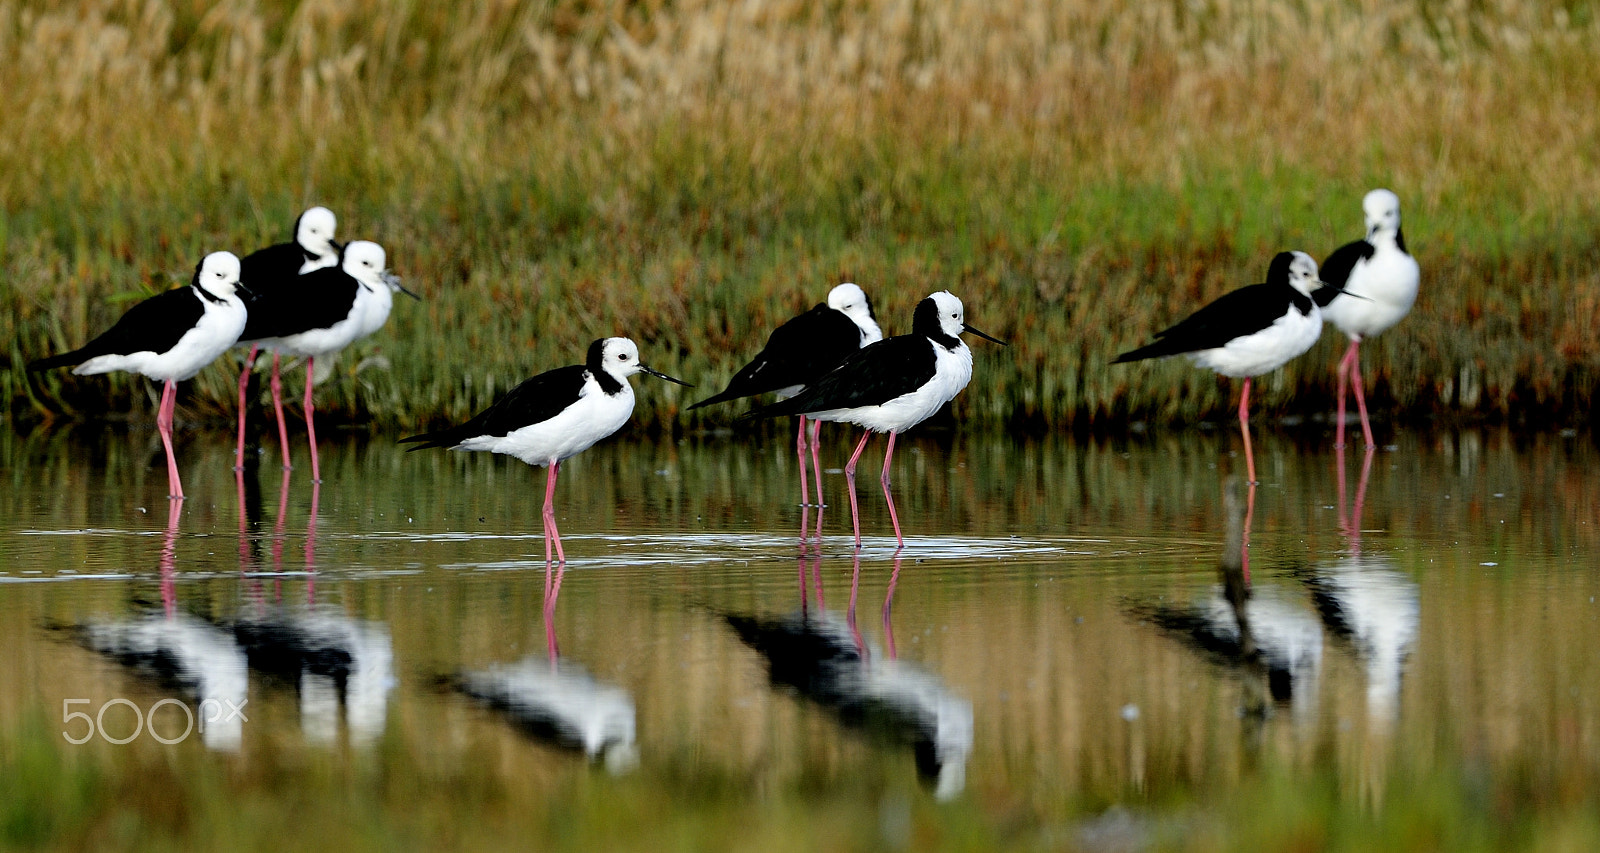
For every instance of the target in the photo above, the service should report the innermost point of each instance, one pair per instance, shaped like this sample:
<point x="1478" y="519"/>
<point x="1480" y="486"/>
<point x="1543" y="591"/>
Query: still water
<point x="1069" y="652"/>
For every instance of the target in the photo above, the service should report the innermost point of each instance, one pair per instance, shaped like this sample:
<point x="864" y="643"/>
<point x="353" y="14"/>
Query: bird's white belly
<point x="218" y="328"/>
<point x="594" y="416"/>
<point x="374" y="307"/>
<point x="953" y="371"/>
<point x="1267" y="350"/>
<point x="318" y="342"/>
<point x="1387" y="285"/>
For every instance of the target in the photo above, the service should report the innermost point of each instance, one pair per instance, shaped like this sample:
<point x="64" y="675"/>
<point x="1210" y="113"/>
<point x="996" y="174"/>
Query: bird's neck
<point x="208" y="295"/>
<point x="611" y="385"/>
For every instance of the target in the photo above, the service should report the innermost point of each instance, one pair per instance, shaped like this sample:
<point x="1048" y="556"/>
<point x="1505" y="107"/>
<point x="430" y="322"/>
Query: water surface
<point x="1056" y="660"/>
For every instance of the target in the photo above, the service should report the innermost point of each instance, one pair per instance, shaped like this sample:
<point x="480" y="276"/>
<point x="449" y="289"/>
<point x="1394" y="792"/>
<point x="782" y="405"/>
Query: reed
<point x="691" y="173"/>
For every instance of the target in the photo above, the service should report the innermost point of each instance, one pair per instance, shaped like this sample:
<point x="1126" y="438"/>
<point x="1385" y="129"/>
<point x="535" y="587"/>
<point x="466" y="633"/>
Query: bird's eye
<point x="623" y="357"/>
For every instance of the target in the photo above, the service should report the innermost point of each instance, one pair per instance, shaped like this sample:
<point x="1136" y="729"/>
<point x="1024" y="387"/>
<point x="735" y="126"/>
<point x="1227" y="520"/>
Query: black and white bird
<point x="1249" y="331"/>
<point x="1372" y="284"/>
<point x="264" y="272"/>
<point x="891" y="386"/>
<point x="320" y="313"/>
<point x="561" y="703"/>
<point x="554" y="416"/>
<point x="822" y="659"/>
<point x="168" y="337"/>
<point x="798" y="353"/>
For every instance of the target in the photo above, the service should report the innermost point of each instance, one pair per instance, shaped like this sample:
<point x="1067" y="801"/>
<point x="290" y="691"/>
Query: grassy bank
<point x="691" y="174"/>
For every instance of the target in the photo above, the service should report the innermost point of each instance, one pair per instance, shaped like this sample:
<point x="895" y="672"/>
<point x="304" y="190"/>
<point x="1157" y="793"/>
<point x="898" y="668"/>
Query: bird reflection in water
<point x="333" y="662"/>
<point x="557" y="701"/>
<point x="1259" y="631"/>
<point x="1367" y="603"/>
<point x="183" y="653"/>
<point x="824" y="659"/>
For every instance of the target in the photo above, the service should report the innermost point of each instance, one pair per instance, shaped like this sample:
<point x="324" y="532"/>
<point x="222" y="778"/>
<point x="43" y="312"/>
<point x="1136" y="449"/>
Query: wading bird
<point x="554" y="416"/>
<point x="264" y="273"/>
<point x="1249" y="331"/>
<point x="798" y="353"/>
<point x="891" y="386"/>
<point x="321" y="312"/>
<point x="168" y="337"/>
<point x="1372" y="284"/>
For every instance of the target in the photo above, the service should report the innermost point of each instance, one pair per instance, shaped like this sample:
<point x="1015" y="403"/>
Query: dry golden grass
<point x="690" y="173"/>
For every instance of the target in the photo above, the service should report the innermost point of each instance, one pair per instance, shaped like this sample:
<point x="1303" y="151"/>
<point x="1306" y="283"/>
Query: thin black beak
<point x="987" y="337"/>
<point x="394" y="281"/>
<point x="240" y="288"/>
<point x="659" y="375"/>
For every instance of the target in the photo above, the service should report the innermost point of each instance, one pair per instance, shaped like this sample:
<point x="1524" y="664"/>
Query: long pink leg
<point x="551" y="532"/>
<point x="816" y="466"/>
<point x="164" y="415"/>
<point x="888" y="602"/>
<point x="1244" y="428"/>
<point x="311" y="427"/>
<point x="1343" y="373"/>
<point x="311" y="544"/>
<point x="169" y="557"/>
<point x="1338" y="461"/>
<point x="244" y="383"/>
<point x="1244" y="543"/>
<point x="277" y="407"/>
<point x="800" y="453"/>
<point x="888" y="455"/>
<point x="850" y="483"/>
<point x="850" y="614"/>
<point x="1361" y="395"/>
<point x="1360" y="502"/>
<point x="552" y="592"/>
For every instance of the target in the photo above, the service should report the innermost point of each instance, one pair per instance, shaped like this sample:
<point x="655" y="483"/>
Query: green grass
<point x="550" y="174"/>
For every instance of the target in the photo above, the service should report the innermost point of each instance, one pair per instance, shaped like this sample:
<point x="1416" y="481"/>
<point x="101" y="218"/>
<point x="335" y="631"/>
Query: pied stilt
<point x="798" y="353"/>
<point x="319" y="313"/>
<point x="891" y="386"/>
<point x="1372" y="284"/>
<point x="554" y="416"/>
<point x="168" y="337"/>
<point x="264" y="271"/>
<point x="1249" y="331"/>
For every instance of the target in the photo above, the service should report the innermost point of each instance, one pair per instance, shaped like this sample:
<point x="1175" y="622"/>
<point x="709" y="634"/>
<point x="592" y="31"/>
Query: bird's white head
<point x="364" y="261"/>
<point x="218" y="273"/>
<point x="314" y="232"/>
<point x="1382" y="209"/>
<point x="942" y="318"/>
<point x="852" y="301"/>
<point x="952" y="314"/>
<point x="620" y="358"/>
<point x="1301" y="271"/>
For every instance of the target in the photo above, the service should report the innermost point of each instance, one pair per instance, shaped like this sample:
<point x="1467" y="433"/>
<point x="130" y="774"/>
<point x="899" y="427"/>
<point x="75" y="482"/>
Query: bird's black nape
<point x="597" y="355"/>
<point x="1278" y="272"/>
<point x="925" y="322"/>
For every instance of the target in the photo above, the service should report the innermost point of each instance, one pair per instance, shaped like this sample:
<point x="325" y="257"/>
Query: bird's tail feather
<point x="65" y="359"/>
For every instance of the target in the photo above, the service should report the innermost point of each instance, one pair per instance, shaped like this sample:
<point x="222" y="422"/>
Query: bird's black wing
<point x="1335" y="271"/>
<point x="535" y="401"/>
<point x="317" y="300"/>
<point x="797" y="353"/>
<point x="265" y="269"/>
<point x="1240" y="312"/>
<point x="154" y="325"/>
<point x="871" y="375"/>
